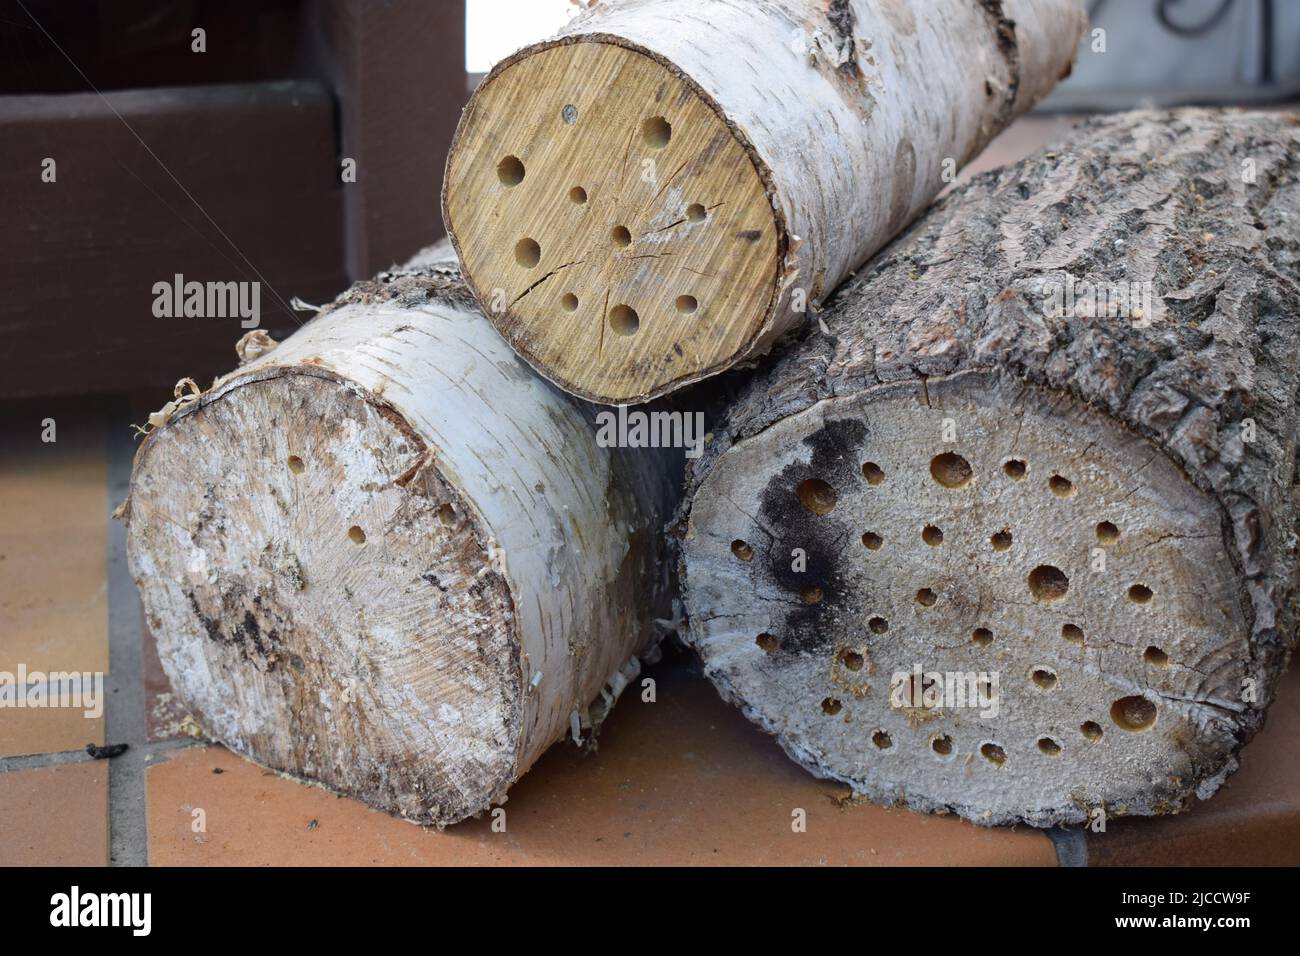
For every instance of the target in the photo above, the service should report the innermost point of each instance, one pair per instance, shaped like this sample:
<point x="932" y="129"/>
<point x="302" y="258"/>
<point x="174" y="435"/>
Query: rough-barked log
<point x="386" y="556"/>
<point x="1090" y="517"/>
<point x="660" y="191"/>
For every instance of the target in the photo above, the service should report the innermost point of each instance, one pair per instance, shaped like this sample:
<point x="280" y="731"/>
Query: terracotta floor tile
<point x="47" y="731"/>
<point x="55" y="816"/>
<point x="1254" y="819"/>
<point x="684" y="780"/>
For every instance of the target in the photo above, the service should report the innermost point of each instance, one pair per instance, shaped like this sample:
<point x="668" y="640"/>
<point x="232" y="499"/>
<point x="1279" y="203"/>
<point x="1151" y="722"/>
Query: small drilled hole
<point x="1133" y="713"/>
<point x="356" y="535"/>
<point x="1049" y="746"/>
<point x="1139" y="594"/>
<point x="1091" y="729"/>
<point x="446" y="515"/>
<point x="621" y="236"/>
<point x="569" y="114"/>
<point x="1072" y="633"/>
<point x="696" y="213"/>
<point x="882" y="740"/>
<point x="510" y="171"/>
<point x="1048" y="583"/>
<point x="1155" y="656"/>
<point x="993" y="754"/>
<point x="527" y="253"/>
<point x="942" y="745"/>
<point x="295" y="464"/>
<point x="569" y="302"/>
<point x="742" y="550"/>
<point x="1002" y="540"/>
<point x="624" y="320"/>
<point x="656" y="132"/>
<point x="981" y="637"/>
<point x="1107" y="533"/>
<point x="1043" y="678"/>
<point x="1061" y="487"/>
<point x="852" y="660"/>
<point x="767" y="642"/>
<point x="816" y="496"/>
<point x="932" y="536"/>
<point x="578" y="195"/>
<point x="830" y="706"/>
<point x="687" y="304"/>
<point x="1014" y="469"/>
<point x="811" y="594"/>
<point x="951" y="470"/>
<point x="872" y="541"/>
<point x="926" y="598"/>
<point x="878" y="625"/>
<point x="873" y="473"/>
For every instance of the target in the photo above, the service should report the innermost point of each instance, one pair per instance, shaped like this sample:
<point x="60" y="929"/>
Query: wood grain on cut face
<point x="614" y="228"/>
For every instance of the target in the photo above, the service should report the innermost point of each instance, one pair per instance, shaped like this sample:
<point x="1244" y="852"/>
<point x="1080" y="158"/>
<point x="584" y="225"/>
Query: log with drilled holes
<point x="1016" y="537"/>
<point x="386" y="556"/>
<point x="659" y="192"/>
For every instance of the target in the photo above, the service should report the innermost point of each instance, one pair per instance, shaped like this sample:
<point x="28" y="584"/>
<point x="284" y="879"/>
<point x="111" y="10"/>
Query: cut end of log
<point x="970" y="596"/>
<point x="613" y="226"/>
<point x="323" y="598"/>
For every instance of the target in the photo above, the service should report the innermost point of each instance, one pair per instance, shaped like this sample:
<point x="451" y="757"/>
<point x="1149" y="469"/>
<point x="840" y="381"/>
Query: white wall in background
<point x="496" y="28"/>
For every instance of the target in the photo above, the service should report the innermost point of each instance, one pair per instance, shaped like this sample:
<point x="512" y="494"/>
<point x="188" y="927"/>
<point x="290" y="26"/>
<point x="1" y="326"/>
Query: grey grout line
<point x="35" y="761"/>
<point x="124" y="711"/>
<point x="1071" y="845"/>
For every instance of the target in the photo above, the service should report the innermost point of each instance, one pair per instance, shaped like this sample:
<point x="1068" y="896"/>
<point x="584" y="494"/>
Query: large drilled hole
<point x="926" y="598"/>
<point x="624" y="320"/>
<point x="831" y="706"/>
<point x="872" y="541"/>
<point x="1139" y="594"/>
<point x="569" y="302"/>
<point x="1072" y="633"/>
<point x="767" y="642"/>
<point x="811" y="594"/>
<point x="295" y="464"/>
<point x="873" y="473"/>
<point x="993" y="753"/>
<point x="932" y="536"/>
<point x="510" y="171"/>
<point x="621" y="236"/>
<point x="1048" y="583"/>
<point x="816" y="496"/>
<point x="356" y="535"/>
<point x="1061" y="487"/>
<point x="1043" y="678"/>
<point x="696" y="212"/>
<point x="878" y="625"/>
<point x="942" y="745"/>
<point x="951" y="470"/>
<point x="742" y="550"/>
<point x="1107" y="533"/>
<point x="578" y="195"/>
<point x="528" y="253"/>
<point x="981" y="637"/>
<point x="1133" y="713"/>
<point x="687" y="304"/>
<point x="1001" y="541"/>
<point x="852" y="660"/>
<point x="446" y="515"/>
<point x="882" y="740"/>
<point x="1090" y="729"/>
<point x="1154" y="655"/>
<point x="656" y="132"/>
<point x="1014" y="469"/>
<point x="1049" y="746"/>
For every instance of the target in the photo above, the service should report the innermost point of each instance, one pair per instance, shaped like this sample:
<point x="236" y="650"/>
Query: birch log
<point x="658" y="193"/>
<point x="1008" y="474"/>
<point x="387" y="557"/>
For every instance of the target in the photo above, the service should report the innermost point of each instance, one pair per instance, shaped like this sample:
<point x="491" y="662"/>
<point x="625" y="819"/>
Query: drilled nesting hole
<point x="873" y="473"/>
<point x="578" y="195"/>
<point x="624" y="320"/>
<point x="295" y="465"/>
<point x="1107" y="533"/>
<point x="446" y="515"/>
<point x="1049" y="746"/>
<point x="878" y="625"/>
<point x="696" y="212"/>
<point x="1061" y="487"/>
<point x="932" y="535"/>
<point x="687" y="304"/>
<point x="951" y="470"/>
<point x="1091" y="730"/>
<point x="926" y="597"/>
<point x="981" y="637"/>
<point x="831" y="706"/>
<point x="1001" y="541"/>
<point x="1155" y="656"/>
<point x="742" y="550"/>
<point x="1134" y="713"/>
<point x="1140" y="594"/>
<point x="872" y="541"/>
<point x="942" y="745"/>
<point x="852" y="660"/>
<point x="816" y="496"/>
<point x="656" y="132"/>
<point x="528" y="253"/>
<point x="1048" y="583"/>
<point x="882" y="740"/>
<point x="993" y="753"/>
<point x="767" y="642"/>
<point x="1015" y="469"/>
<point x="569" y="302"/>
<point x="811" y="594"/>
<point x="356" y="535"/>
<point x="1043" y="678"/>
<point x="621" y="236"/>
<point x="510" y="171"/>
<point x="1072" y="633"/>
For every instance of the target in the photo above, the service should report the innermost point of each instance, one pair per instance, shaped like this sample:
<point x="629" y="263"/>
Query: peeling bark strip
<point x="663" y="190"/>
<point x="385" y="556"/>
<point x="1087" y="522"/>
